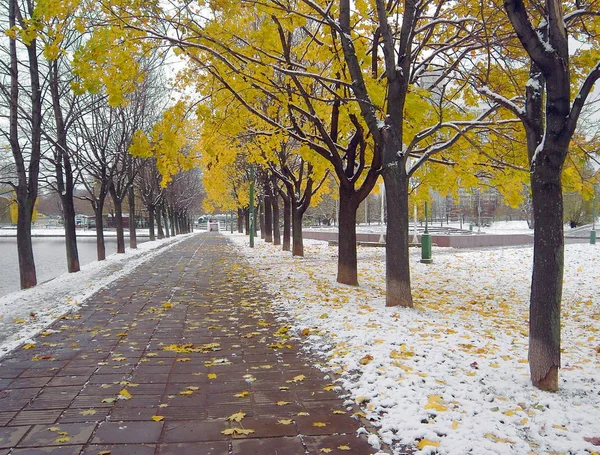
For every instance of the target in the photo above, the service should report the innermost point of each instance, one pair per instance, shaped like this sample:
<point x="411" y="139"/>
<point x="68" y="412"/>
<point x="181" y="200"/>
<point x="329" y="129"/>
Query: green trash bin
<point x="426" y="249"/>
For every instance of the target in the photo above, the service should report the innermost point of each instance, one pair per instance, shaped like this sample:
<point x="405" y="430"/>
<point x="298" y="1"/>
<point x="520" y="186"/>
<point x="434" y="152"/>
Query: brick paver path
<point x="189" y="338"/>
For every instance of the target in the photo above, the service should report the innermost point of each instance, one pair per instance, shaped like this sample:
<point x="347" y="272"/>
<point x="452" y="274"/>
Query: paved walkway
<point x="183" y="356"/>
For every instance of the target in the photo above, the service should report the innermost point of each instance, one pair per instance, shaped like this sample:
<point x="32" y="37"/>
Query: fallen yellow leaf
<point x="157" y="418"/>
<point x="237" y="417"/>
<point x="426" y="442"/>
<point x="124" y="395"/>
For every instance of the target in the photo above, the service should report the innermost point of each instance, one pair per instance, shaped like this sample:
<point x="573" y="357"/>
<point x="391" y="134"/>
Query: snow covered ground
<point x="25" y="313"/>
<point x="450" y="376"/>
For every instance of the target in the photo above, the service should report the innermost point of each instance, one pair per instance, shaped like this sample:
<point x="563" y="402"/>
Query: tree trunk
<point x="70" y="233"/>
<point x="247" y="221"/>
<point x="276" y="230"/>
<point x="172" y="222"/>
<point x="297" y="241"/>
<point x="159" y="223"/>
<point x="64" y="173"/>
<point x="268" y="209"/>
<point x="119" y="225"/>
<point x="240" y="221"/>
<point x="347" y="257"/>
<point x="132" y="227"/>
<point x="165" y="218"/>
<point x="27" y="186"/>
<point x="287" y="224"/>
<point x="152" y="236"/>
<point x="24" y="247"/>
<point x="546" y="283"/>
<point x="100" y="245"/>
<point x="398" y="291"/>
<point x="261" y="218"/>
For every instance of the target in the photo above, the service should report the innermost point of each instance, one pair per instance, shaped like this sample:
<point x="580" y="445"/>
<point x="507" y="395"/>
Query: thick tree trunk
<point x="152" y="235"/>
<point x="398" y="290"/>
<point x="100" y="245"/>
<point x="347" y="257"/>
<point x="297" y="241"/>
<point x="247" y="221"/>
<point x="24" y="247"/>
<point x="159" y="223"/>
<point x="132" y="227"/>
<point x="27" y="174"/>
<point x="268" y="223"/>
<point x="287" y="223"/>
<point x="276" y="230"/>
<point x="546" y="283"/>
<point x="70" y="233"/>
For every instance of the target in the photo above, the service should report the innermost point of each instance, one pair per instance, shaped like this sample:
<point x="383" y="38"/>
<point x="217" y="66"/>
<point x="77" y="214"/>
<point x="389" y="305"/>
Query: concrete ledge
<point x="449" y="241"/>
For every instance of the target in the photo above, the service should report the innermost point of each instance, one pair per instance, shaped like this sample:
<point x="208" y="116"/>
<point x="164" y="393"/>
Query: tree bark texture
<point x="100" y="245"/>
<point x="132" y="227"/>
<point x="268" y="209"/>
<point x="275" y="210"/>
<point x="159" y="223"/>
<point x="287" y="222"/>
<point x="347" y="256"/>
<point x="152" y="235"/>
<point x="397" y="267"/>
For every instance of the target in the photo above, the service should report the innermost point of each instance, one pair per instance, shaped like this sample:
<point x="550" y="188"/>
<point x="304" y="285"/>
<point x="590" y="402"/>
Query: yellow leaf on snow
<point x="426" y="442"/>
<point x="435" y="402"/>
<point x="366" y="359"/>
<point x="497" y="439"/>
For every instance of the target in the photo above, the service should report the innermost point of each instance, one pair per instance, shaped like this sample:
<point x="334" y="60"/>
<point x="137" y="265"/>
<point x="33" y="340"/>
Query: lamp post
<point x="382" y="191"/>
<point x="251" y="207"/>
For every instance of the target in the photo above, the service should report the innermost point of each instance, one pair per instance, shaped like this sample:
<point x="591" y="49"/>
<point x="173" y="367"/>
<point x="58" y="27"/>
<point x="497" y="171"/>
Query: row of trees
<point x="422" y="93"/>
<point x="66" y="139"/>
